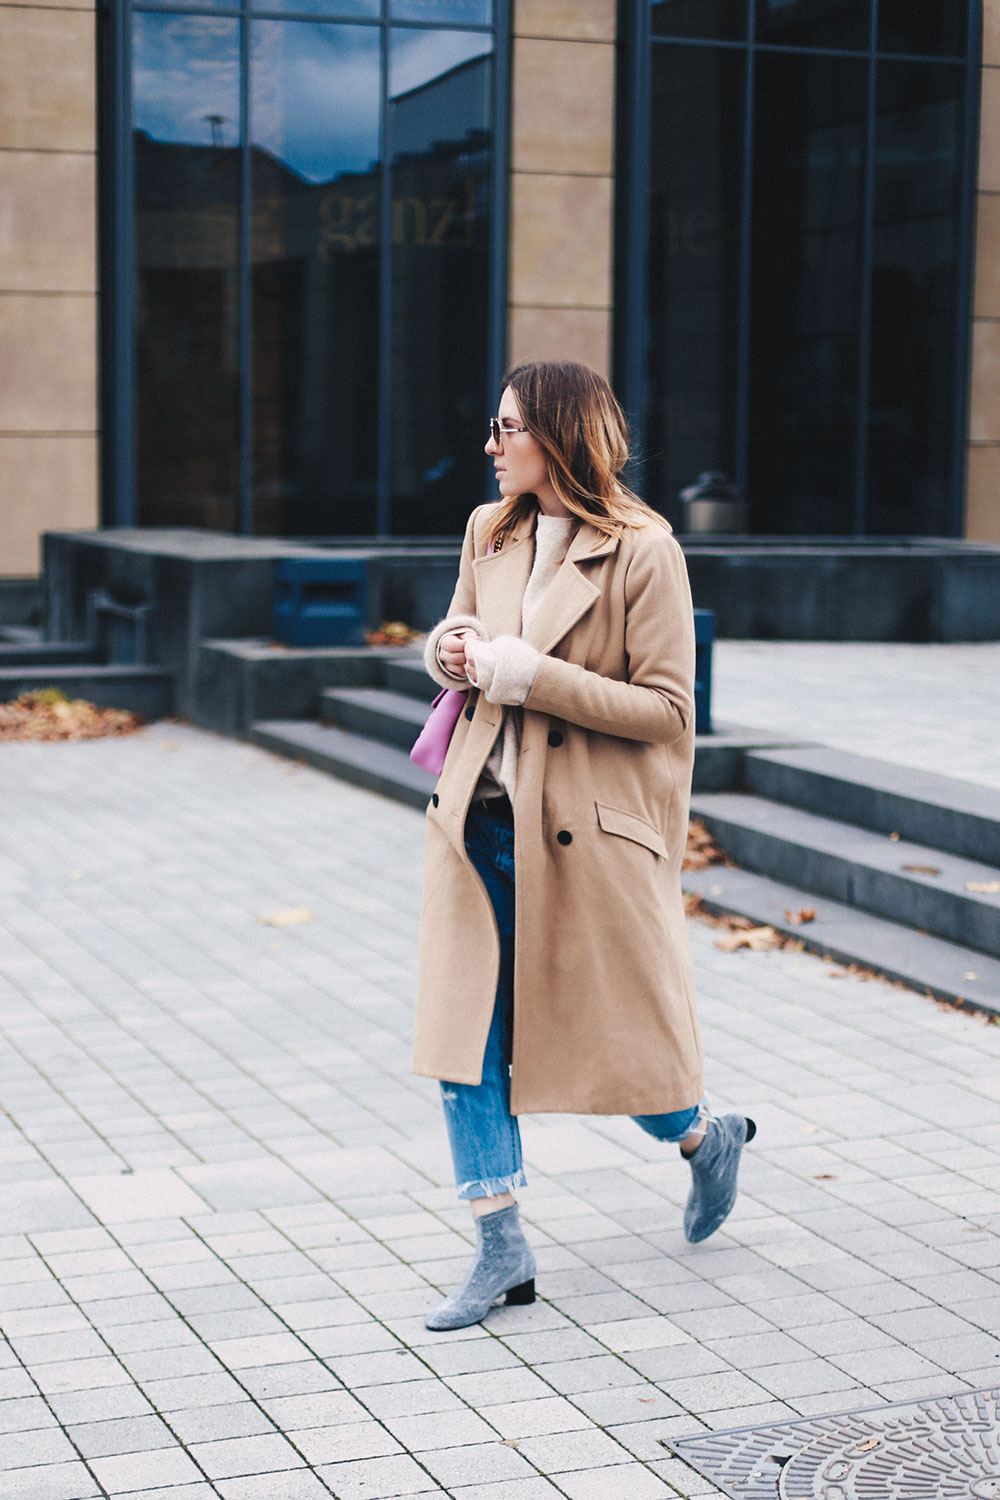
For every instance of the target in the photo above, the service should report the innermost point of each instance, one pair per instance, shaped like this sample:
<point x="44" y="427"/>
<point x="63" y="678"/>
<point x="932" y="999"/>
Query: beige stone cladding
<point x="982" y="499"/>
<point x="48" y="276"/>
<point x="562" y="165"/>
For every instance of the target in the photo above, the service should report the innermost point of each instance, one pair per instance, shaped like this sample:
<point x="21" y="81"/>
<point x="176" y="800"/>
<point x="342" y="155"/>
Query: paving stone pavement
<point x="225" y="1204"/>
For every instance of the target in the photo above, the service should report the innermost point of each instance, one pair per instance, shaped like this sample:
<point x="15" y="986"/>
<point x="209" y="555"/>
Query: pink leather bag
<point x="431" y="745"/>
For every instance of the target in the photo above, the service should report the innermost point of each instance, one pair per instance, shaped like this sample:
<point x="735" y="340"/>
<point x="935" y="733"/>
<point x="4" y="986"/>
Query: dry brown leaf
<point x="47" y="714"/>
<point x="760" y="939"/>
<point x="871" y="1443"/>
<point x="825" y="1176"/>
<point x="392" y="633"/>
<point x="984" y="887"/>
<point x="702" y="850"/>
<point x="289" y="916"/>
<point x="804" y="914"/>
<point x="923" y="869"/>
<point x="894" y="838"/>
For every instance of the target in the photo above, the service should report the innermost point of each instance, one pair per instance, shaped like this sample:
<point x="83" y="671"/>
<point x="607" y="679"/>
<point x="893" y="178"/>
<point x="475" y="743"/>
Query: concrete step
<point x="35" y="653"/>
<point x="143" y="690"/>
<point x="858" y="867"/>
<point x="948" y="971"/>
<point x="930" y="809"/>
<point x="392" y="718"/>
<point x="352" y="757"/>
<point x="409" y="677"/>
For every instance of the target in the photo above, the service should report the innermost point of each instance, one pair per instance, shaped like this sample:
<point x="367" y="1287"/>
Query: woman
<point x="554" y="966"/>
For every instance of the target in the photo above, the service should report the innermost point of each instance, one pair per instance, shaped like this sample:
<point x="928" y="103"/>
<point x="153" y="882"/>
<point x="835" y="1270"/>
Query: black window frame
<point x="631" y="271"/>
<point x="116" y="246"/>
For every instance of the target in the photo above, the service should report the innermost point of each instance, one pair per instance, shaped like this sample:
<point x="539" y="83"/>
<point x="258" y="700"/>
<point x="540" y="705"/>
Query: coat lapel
<point x="501" y="578"/>
<point x="571" y="593"/>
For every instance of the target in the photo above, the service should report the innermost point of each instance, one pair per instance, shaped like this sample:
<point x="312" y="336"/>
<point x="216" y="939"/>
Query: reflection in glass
<point x="938" y="29"/>
<point x="185" y="87"/>
<point x="694" y="245"/>
<point x="314" y="131"/>
<point x="333" y="9"/>
<point x="447" y="12"/>
<point x="911" y="404"/>
<point x="816" y="23"/>
<point x="805" y="279"/>
<point x="441" y="144"/>
<point x="715" y="20"/>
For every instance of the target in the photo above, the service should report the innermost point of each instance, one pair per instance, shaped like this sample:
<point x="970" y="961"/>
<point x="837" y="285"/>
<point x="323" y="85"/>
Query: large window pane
<point x="722" y="20"/>
<point x="439" y="134"/>
<point x="817" y="23"/>
<point x="805" y="280"/>
<point x="451" y="12"/>
<point x="187" y="128"/>
<point x="914" y="291"/>
<point x="694" y="246"/>
<point x="314" y="130"/>
<point x="935" y="29"/>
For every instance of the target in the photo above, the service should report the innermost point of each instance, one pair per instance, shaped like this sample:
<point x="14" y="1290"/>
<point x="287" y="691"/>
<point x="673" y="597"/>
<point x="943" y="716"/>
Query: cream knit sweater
<point x="504" y="669"/>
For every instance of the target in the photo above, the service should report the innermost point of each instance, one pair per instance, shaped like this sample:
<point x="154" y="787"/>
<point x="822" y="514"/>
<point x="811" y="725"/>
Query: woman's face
<point x="519" y="460"/>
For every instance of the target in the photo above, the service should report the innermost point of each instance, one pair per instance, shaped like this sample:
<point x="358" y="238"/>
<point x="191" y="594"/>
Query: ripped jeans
<point x="483" y="1134"/>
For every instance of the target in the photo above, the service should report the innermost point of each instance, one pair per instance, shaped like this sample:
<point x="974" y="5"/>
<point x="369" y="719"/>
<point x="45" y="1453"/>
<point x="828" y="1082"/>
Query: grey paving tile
<point x="68" y="1481"/>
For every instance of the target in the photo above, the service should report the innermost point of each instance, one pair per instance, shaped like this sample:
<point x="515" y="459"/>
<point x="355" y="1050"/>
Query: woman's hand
<point x="451" y="652"/>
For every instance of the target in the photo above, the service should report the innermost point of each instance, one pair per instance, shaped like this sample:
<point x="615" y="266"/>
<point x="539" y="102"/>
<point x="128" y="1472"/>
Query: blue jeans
<point x="483" y="1134"/>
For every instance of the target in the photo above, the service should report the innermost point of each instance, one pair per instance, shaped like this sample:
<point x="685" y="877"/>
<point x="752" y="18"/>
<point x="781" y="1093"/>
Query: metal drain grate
<point x="941" y="1448"/>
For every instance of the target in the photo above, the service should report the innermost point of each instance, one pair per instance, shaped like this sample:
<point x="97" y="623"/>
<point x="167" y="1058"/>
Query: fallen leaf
<point x="894" y="837"/>
<point x="970" y="974"/>
<point x="760" y="939"/>
<point x="47" y="714"/>
<point x="392" y="633"/>
<point x="290" y="916"/>
<point x="702" y="850"/>
<point x="871" y="1443"/>
<point x="804" y="914"/>
<point x="975" y="1228"/>
<point x="984" y="887"/>
<point x="811" y="1129"/>
<point x="647" y="1400"/>
<point x="925" y="870"/>
<point x="825" y="1176"/>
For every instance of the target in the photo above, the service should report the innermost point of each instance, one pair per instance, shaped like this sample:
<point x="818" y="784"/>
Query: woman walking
<point x="555" y="973"/>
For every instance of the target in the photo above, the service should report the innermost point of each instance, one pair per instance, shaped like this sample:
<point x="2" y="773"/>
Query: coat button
<point x="434" y="798"/>
<point x="470" y="711"/>
<point x="555" y="738"/>
<point x="564" y="836"/>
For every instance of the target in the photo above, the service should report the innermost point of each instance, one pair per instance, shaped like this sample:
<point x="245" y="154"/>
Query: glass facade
<point x="799" y="320"/>
<point x="315" y="275"/>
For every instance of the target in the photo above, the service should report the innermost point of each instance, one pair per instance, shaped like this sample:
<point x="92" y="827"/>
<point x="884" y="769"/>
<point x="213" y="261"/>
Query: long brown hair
<point x="572" y="412"/>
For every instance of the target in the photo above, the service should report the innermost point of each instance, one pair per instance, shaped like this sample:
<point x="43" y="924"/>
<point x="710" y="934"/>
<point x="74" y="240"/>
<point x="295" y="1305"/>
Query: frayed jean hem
<point x="492" y="1187"/>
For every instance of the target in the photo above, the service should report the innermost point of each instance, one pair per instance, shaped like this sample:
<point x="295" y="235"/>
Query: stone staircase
<point x="76" y="668"/>
<point x="902" y="867"/>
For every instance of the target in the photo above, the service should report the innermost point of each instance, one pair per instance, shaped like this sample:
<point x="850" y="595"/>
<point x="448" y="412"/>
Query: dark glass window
<point x="793" y="288"/>
<point x="694" y="245"/>
<point x="316" y="285"/>
<point x="914" y="293"/>
<point x="934" y="29"/>
<point x="187" y="177"/>
<point x="816" y="23"/>
<point x="441" y="162"/>
<point x="716" y="20"/>
<point x="805" y="271"/>
<point x="314" y="132"/>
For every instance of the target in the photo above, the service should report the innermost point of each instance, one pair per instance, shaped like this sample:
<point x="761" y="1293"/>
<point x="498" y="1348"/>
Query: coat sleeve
<point x="656" y="700"/>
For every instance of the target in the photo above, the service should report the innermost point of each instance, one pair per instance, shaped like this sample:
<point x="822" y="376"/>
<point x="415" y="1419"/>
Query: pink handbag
<point x="431" y="745"/>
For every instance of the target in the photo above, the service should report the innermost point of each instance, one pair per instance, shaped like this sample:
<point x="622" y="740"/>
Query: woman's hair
<point x="573" y="414"/>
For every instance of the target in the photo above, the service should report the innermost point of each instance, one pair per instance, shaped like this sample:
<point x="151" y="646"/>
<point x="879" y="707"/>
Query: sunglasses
<point x="498" y="431"/>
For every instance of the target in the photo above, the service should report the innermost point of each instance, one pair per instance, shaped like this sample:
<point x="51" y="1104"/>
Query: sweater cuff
<point x="460" y="623"/>
<point x="504" y="669"/>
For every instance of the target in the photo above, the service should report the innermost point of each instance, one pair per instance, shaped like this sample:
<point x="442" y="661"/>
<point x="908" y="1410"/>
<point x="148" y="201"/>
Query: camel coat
<point x="604" y="1009"/>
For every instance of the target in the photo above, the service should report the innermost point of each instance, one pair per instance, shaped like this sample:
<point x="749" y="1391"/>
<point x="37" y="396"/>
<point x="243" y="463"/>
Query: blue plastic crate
<point x="320" y="601"/>
<point x="704" y="639"/>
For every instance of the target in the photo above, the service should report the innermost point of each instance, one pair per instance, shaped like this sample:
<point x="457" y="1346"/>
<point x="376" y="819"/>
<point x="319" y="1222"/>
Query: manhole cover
<point x="942" y="1448"/>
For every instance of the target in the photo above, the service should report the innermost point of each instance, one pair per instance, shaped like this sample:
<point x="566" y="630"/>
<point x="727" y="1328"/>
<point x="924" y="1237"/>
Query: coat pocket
<point x="630" y="826"/>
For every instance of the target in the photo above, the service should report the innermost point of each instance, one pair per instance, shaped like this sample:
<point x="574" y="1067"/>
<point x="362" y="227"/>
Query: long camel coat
<point x="604" y="1009"/>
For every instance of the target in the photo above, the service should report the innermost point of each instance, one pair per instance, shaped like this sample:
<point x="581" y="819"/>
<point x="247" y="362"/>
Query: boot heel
<point x="751" y="1128"/>
<point x="521" y="1296"/>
